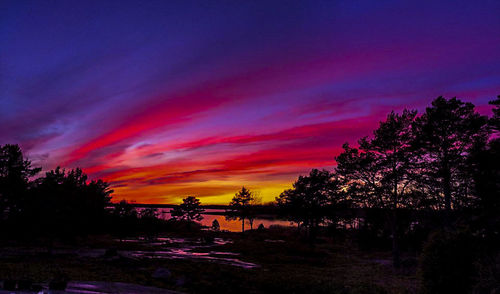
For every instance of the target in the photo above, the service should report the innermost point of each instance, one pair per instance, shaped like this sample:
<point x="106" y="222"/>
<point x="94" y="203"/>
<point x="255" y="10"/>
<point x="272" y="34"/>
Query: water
<point x="226" y="225"/>
<point x="235" y="225"/>
<point x="184" y="248"/>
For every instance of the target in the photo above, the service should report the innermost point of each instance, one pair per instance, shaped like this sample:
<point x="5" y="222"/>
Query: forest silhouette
<point x="426" y="182"/>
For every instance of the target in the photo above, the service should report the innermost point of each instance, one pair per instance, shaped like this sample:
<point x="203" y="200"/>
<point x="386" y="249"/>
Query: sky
<point x="165" y="99"/>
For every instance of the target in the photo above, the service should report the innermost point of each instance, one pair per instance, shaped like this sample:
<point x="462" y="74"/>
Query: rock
<point x="162" y="274"/>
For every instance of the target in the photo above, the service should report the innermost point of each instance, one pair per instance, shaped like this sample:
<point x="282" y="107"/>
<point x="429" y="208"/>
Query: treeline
<point x="431" y="180"/>
<point x="62" y="204"/>
<point x="59" y="202"/>
<point x="445" y="159"/>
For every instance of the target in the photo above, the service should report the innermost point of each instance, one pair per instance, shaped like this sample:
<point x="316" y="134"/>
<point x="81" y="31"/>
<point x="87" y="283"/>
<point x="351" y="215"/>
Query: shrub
<point x="447" y="263"/>
<point x="488" y="272"/>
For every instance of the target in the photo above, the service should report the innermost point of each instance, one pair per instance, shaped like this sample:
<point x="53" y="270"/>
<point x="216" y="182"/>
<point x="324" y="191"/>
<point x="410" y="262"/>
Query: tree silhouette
<point x="494" y="121"/>
<point x="149" y="213"/>
<point x="124" y="209"/>
<point x="484" y="163"/>
<point x="360" y="173"/>
<point x="125" y="215"/>
<point x="252" y="210"/>
<point x="149" y="220"/>
<point x="484" y="168"/>
<point x="68" y="202"/>
<point x="445" y="134"/>
<point x="240" y="206"/>
<point x="190" y="210"/>
<point x="215" y="225"/>
<point x="15" y="174"/>
<point x="310" y="200"/>
<point x="383" y="168"/>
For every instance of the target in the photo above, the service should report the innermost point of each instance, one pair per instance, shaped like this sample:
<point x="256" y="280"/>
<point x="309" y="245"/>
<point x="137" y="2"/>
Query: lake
<point x="228" y="225"/>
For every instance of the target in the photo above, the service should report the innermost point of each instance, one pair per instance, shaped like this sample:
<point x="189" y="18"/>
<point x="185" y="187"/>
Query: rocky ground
<point x="255" y="262"/>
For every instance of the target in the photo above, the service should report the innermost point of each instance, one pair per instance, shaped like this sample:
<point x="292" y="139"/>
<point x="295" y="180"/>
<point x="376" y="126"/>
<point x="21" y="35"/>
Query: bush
<point x="447" y="263"/>
<point x="488" y="272"/>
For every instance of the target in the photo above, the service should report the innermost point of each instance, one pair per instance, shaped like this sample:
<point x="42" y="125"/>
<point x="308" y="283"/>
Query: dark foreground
<point x="275" y="260"/>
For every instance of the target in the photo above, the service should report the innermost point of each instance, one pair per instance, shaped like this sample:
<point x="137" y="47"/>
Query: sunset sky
<point x="165" y="99"/>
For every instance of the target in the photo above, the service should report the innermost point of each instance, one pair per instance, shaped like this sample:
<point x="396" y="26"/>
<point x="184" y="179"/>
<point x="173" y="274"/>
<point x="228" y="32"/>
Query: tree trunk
<point x="396" y="260"/>
<point x="242" y="225"/>
<point x="447" y="193"/>
<point x="447" y="188"/>
<point x="394" y="227"/>
<point x="312" y="231"/>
